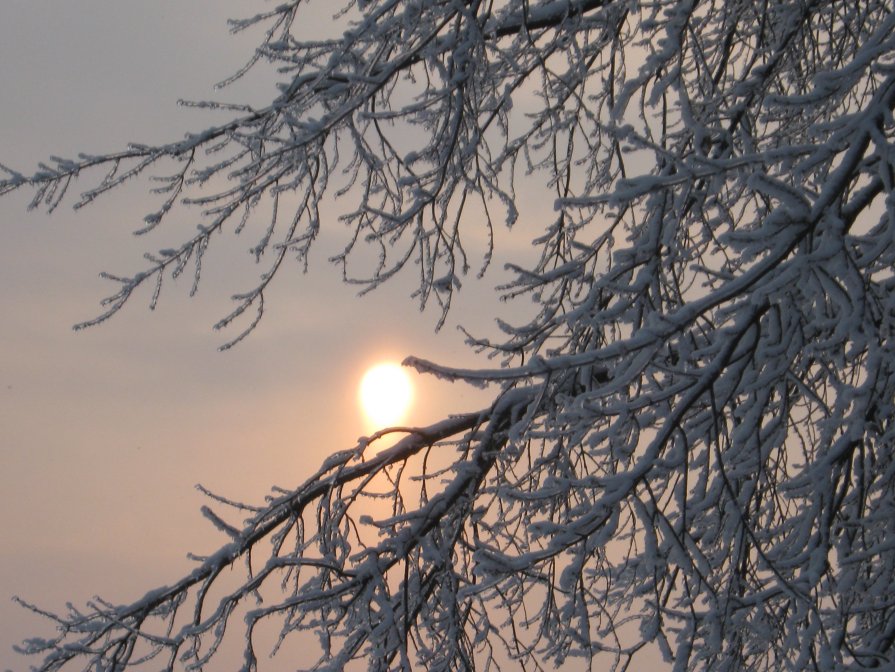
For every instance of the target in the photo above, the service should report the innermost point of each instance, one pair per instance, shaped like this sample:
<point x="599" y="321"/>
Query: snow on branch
<point x="690" y="450"/>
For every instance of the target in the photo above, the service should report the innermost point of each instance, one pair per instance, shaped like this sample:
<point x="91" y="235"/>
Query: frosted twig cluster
<point x="690" y="452"/>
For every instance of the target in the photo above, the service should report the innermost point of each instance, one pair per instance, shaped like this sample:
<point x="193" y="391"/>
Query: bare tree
<point x="690" y="448"/>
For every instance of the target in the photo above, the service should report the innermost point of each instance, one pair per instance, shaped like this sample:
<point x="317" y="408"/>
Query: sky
<point x="104" y="433"/>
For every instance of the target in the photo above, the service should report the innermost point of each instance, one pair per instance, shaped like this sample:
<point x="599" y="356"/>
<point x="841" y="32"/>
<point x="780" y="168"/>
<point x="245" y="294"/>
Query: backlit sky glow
<point x="104" y="433"/>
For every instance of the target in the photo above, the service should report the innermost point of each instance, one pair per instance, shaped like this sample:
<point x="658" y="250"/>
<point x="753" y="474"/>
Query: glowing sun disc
<point x="385" y="394"/>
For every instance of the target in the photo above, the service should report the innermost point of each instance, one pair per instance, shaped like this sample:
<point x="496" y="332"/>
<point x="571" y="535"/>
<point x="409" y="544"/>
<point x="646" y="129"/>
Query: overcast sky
<point x="104" y="433"/>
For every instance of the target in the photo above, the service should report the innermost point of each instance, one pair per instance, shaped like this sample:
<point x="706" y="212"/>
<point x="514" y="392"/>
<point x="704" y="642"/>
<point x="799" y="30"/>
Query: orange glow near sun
<point x="385" y="395"/>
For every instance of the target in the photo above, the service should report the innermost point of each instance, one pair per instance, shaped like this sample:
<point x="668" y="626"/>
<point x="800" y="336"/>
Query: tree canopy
<point x="690" y="448"/>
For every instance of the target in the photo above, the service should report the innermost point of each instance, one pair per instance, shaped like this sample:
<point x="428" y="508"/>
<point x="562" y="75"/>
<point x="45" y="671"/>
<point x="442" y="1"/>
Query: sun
<point x="385" y="394"/>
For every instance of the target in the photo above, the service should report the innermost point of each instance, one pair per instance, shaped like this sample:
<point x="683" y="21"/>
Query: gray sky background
<point x="104" y="433"/>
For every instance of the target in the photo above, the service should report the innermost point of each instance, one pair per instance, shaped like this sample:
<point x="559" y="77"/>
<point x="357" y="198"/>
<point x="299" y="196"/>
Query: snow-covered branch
<point x="690" y="449"/>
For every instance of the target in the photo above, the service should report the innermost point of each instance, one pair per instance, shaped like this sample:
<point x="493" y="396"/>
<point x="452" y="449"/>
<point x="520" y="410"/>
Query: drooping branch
<point x="338" y="471"/>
